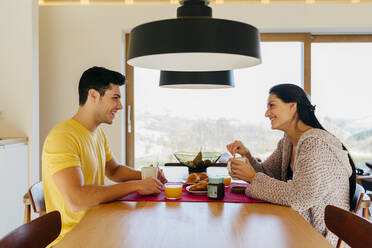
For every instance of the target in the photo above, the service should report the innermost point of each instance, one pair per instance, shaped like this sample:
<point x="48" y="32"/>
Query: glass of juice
<point x="173" y="191"/>
<point x="227" y="180"/>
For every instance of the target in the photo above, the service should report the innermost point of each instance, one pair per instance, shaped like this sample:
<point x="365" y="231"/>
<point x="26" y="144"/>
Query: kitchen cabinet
<point x="13" y="182"/>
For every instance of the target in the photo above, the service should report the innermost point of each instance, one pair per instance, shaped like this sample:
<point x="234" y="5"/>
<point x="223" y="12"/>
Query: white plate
<point x="196" y="192"/>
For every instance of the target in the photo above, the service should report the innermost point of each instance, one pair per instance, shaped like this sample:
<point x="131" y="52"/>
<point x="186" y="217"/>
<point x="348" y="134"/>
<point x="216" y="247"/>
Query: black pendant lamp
<point x="194" y="41"/>
<point x="196" y="79"/>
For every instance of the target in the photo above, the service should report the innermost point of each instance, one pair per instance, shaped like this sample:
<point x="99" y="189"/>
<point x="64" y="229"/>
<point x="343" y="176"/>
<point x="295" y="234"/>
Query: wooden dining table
<point x="145" y="224"/>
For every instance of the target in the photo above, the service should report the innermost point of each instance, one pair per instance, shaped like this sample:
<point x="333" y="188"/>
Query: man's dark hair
<point x="98" y="78"/>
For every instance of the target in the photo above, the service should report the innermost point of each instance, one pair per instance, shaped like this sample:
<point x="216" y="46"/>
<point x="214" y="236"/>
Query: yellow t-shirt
<point x="70" y="144"/>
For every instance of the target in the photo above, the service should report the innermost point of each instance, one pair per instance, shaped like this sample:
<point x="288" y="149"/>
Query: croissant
<point x="203" y="176"/>
<point x="199" y="187"/>
<point x="193" y="178"/>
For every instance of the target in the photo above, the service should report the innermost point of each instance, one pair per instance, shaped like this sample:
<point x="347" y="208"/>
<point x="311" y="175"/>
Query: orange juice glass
<point x="227" y="180"/>
<point x="173" y="191"/>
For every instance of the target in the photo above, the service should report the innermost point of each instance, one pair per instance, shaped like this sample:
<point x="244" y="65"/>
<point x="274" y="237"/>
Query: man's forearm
<point x="87" y="196"/>
<point x="123" y="173"/>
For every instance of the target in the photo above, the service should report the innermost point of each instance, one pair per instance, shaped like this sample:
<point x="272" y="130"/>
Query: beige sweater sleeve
<point x="308" y="186"/>
<point x="272" y="165"/>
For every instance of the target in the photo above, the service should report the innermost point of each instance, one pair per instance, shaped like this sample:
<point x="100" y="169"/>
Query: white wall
<point x="73" y="38"/>
<point x="19" y="89"/>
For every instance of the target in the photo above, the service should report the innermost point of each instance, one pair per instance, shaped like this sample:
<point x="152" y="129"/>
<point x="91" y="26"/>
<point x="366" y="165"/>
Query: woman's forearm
<point x="248" y="155"/>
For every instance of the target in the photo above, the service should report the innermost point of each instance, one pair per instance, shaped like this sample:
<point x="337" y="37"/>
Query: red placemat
<point x="188" y="197"/>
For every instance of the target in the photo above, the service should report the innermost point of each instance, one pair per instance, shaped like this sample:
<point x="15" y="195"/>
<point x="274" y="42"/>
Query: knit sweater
<point x="321" y="172"/>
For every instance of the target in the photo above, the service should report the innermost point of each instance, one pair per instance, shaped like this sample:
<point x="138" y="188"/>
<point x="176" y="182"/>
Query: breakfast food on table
<point x="198" y="158"/>
<point x="199" y="187"/>
<point x="227" y="181"/>
<point x="198" y="161"/>
<point x="173" y="190"/>
<point x="203" y="176"/>
<point x="193" y="178"/>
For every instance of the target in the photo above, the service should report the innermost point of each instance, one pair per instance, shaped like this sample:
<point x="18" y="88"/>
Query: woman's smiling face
<point x="281" y="114"/>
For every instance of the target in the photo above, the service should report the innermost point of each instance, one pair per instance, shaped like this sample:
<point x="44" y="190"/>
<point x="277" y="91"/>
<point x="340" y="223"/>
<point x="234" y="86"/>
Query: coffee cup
<point x="149" y="172"/>
<point x="243" y="159"/>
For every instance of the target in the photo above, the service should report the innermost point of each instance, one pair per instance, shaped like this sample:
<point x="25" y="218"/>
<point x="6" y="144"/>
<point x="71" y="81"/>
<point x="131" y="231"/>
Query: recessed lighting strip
<point x="217" y="2"/>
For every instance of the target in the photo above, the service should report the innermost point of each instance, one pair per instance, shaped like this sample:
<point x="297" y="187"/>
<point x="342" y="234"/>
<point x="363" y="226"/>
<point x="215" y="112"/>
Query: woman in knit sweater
<point x="310" y="167"/>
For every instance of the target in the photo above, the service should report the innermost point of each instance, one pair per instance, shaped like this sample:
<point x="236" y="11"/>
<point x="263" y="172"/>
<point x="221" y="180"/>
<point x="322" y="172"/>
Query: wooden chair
<point x="351" y="228"/>
<point x="36" y="234"/>
<point x="360" y="201"/>
<point x="35" y="198"/>
<point x="364" y="203"/>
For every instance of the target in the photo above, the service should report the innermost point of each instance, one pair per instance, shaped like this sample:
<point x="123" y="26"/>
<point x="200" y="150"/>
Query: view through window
<point x="341" y="90"/>
<point x="170" y="120"/>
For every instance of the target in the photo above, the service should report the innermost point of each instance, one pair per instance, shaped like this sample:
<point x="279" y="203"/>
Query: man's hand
<point x="241" y="170"/>
<point x="149" y="186"/>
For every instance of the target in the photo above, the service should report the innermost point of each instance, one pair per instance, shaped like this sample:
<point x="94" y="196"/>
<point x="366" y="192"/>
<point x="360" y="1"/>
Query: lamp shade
<point x="194" y="42"/>
<point x="196" y="79"/>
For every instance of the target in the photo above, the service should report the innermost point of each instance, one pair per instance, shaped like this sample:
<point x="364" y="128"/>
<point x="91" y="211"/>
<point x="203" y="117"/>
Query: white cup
<point x="149" y="172"/>
<point x="243" y="159"/>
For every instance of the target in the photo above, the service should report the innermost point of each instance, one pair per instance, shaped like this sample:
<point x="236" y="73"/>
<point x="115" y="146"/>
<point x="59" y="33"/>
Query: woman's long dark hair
<point x="306" y="113"/>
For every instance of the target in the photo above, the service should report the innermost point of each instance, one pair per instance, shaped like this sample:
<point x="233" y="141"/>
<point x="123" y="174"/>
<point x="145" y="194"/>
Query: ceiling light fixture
<point x="194" y="41"/>
<point x="196" y="79"/>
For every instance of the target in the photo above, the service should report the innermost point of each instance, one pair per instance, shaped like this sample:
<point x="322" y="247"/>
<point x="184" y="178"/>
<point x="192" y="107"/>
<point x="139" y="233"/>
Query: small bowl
<point x="238" y="189"/>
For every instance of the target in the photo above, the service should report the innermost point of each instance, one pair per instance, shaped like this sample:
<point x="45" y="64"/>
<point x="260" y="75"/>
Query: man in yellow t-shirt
<point x="76" y="155"/>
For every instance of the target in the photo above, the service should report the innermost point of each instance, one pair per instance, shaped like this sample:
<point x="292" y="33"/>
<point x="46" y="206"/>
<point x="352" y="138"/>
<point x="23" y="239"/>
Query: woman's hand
<point x="241" y="170"/>
<point x="237" y="147"/>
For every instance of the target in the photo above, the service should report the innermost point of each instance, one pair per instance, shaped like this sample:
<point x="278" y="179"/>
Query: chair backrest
<point x="367" y="184"/>
<point x="35" y="234"/>
<point x="351" y="228"/>
<point x="36" y="193"/>
<point x="364" y="204"/>
<point x="362" y="201"/>
<point x="354" y="202"/>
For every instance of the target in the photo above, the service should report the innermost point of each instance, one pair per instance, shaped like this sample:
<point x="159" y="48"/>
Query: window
<point x="170" y="120"/>
<point x="341" y="89"/>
